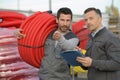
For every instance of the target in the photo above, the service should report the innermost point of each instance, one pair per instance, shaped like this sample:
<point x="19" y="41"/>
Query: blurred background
<point x="77" y="6"/>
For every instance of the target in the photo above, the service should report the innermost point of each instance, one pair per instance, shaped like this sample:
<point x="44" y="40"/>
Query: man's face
<point x="93" y="21"/>
<point x="64" y="22"/>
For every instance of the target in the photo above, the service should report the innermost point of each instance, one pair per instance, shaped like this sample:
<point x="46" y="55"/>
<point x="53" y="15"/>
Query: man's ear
<point x="56" y="20"/>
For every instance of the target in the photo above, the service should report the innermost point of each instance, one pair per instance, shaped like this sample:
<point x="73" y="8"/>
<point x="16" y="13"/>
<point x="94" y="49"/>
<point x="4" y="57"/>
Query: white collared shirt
<point x="94" y="33"/>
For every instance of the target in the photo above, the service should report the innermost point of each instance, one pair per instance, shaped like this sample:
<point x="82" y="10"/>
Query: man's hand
<point x="18" y="33"/>
<point x="57" y="35"/>
<point x="78" y="48"/>
<point x="85" y="61"/>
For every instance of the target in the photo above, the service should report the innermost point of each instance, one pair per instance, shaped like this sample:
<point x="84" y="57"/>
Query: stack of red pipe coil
<point x="11" y="18"/>
<point x="12" y="67"/>
<point x="36" y="28"/>
<point x="82" y="32"/>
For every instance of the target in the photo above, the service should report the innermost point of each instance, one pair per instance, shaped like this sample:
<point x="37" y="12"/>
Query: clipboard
<point x="70" y="57"/>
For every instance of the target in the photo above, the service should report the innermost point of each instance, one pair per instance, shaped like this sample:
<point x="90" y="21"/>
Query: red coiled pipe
<point x="36" y="28"/>
<point x="11" y="19"/>
<point x="82" y="32"/>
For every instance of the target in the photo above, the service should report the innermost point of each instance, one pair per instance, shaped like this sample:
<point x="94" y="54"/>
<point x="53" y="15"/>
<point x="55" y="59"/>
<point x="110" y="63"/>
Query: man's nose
<point x="88" y="21"/>
<point x="65" y="22"/>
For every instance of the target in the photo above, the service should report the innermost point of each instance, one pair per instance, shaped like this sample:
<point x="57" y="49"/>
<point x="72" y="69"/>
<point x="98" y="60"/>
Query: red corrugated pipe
<point x="82" y="32"/>
<point x="36" y="28"/>
<point x="11" y="18"/>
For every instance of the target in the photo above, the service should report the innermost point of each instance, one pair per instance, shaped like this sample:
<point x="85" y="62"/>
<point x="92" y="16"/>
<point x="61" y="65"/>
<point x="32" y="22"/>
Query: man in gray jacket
<point x="53" y="66"/>
<point x="102" y="58"/>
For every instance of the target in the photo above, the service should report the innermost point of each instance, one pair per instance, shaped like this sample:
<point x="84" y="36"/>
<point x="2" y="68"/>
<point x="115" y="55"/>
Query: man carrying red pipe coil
<point x="53" y="66"/>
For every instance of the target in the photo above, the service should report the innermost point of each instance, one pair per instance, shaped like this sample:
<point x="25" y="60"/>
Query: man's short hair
<point x="93" y="9"/>
<point x="64" y="10"/>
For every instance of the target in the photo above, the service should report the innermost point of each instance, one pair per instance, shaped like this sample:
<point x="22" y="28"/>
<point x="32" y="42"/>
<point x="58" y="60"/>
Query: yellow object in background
<point x="78" y="69"/>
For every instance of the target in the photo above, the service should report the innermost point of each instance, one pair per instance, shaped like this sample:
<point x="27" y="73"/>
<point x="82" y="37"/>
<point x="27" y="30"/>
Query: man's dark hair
<point x="64" y="10"/>
<point x="93" y="9"/>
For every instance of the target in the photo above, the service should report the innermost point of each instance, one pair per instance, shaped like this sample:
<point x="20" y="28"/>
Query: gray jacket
<point x="53" y="66"/>
<point x="104" y="49"/>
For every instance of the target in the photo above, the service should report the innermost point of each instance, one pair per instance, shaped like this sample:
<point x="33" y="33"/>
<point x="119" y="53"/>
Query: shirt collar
<point x="94" y="33"/>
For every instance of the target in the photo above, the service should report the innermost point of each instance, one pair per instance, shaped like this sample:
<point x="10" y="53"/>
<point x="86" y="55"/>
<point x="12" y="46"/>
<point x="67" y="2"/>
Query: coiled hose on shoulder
<point x="36" y="28"/>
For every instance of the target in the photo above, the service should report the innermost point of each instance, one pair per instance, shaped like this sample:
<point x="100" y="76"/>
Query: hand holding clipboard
<point x="70" y="57"/>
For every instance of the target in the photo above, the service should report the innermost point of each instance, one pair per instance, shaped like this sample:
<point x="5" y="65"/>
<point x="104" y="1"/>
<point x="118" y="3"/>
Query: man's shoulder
<point x="69" y="35"/>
